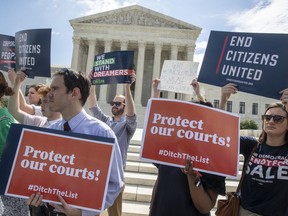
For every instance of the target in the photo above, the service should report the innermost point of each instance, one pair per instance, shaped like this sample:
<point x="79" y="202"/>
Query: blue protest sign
<point x="7" y="50"/>
<point x="113" y="67"/>
<point x="256" y="62"/>
<point x="33" y="52"/>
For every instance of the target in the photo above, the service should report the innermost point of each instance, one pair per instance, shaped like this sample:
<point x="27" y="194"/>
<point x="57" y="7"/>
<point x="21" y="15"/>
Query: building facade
<point x="152" y="36"/>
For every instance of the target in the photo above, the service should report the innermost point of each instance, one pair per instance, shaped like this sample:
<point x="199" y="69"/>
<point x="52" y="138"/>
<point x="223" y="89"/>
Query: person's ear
<point x="76" y="93"/>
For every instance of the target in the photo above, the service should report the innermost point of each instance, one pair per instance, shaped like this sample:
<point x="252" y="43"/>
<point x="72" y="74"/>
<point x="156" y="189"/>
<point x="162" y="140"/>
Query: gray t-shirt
<point x="123" y="129"/>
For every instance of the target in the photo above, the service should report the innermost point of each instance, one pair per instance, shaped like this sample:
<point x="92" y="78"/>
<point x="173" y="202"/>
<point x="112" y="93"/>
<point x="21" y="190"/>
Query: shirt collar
<point x="74" y="122"/>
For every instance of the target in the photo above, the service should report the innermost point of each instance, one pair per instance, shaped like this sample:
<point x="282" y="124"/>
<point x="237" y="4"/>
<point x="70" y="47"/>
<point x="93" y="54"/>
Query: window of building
<point x="216" y="104"/>
<point x="254" y="108"/>
<point x="242" y="107"/>
<point x="229" y="106"/>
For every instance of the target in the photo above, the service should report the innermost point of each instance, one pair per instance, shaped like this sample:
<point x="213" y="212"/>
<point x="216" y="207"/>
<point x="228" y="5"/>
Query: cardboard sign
<point x="7" y="50"/>
<point x="33" y="52"/>
<point x="77" y="166"/>
<point x="113" y="67"/>
<point x="176" y="76"/>
<point x="256" y="62"/>
<point x="175" y="131"/>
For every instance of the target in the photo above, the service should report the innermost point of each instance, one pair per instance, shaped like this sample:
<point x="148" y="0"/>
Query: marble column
<point x="174" y="56"/>
<point x="124" y="46"/>
<point x="75" y="55"/>
<point x="103" y="88"/>
<point x="139" y="72"/>
<point x="157" y="59"/>
<point x="91" y="55"/>
<point x="190" y="54"/>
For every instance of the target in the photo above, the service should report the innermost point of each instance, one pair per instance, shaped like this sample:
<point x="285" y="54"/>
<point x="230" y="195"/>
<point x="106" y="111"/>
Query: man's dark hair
<point x="74" y="79"/>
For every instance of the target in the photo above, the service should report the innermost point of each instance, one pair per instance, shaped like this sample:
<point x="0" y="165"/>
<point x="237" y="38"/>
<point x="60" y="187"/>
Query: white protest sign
<point x="176" y="76"/>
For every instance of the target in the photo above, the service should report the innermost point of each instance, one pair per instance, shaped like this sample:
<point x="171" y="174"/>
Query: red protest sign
<point x="78" y="169"/>
<point x="175" y="131"/>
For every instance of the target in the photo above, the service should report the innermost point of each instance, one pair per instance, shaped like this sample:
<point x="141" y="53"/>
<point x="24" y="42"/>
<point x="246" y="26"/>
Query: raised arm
<point x="130" y="105"/>
<point x="196" y="89"/>
<point x="92" y="99"/>
<point x="226" y="92"/>
<point x="203" y="199"/>
<point x="13" y="104"/>
<point x="155" y="90"/>
<point x="22" y="102"/>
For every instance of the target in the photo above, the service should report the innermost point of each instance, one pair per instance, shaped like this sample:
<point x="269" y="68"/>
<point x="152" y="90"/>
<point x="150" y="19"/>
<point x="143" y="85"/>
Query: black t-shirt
<point x="172" y="195"/>
<point x="265" y="186"/>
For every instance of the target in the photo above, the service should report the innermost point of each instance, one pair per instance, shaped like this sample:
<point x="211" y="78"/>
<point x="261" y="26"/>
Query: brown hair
<point x="73" y="79"/>
<point x="4" y="88"/>
<point x="263" y="135"/>
<point x="37" y="86"/>
<point x="43" y="91"/>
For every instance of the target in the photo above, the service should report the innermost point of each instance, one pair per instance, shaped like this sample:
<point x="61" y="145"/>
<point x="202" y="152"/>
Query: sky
<point x="267" y="16"/>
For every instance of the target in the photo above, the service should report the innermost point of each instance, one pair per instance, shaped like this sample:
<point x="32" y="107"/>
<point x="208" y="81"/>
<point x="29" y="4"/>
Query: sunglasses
<point x="116" y="103"/>
<point x="276" y="118"/>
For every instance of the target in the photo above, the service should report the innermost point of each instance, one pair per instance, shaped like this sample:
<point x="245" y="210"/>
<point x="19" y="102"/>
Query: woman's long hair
<point x="4" y="88"/>
<point x="263" y="135"/>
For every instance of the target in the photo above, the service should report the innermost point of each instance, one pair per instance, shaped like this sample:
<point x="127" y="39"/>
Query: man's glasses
<point x="116" y="103"/>
<point x="276" y="118"/>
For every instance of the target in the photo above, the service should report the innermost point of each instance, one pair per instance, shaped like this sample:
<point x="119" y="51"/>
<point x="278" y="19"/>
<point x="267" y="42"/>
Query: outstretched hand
<point x="155" y="90"/>
<point x="196" y="86"/>
<point x="227" y="90"/>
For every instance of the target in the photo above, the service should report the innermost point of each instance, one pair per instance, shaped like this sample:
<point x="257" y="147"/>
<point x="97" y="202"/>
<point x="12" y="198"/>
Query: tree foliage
<point x="248" y="124"/>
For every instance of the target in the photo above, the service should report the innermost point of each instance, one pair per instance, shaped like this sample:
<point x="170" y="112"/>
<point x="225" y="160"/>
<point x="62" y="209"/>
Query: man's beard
<point x="117" y="112"/>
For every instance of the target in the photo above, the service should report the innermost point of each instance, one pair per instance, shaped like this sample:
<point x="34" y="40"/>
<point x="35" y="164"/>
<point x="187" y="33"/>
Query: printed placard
<point x="113" y="67"/>
<point x="175" y="131"/>
<point x="256" y="62"/>
<point x="176" y="76"/>
<point x="7" y="50"/>
<point x="53" y="162"/>
<point x="33" y="49"/>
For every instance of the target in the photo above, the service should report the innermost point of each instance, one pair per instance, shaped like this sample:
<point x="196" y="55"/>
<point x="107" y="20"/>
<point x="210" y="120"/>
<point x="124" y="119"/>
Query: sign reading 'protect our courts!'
<point x="74" y="166"/>
<point x="175" y="131"/>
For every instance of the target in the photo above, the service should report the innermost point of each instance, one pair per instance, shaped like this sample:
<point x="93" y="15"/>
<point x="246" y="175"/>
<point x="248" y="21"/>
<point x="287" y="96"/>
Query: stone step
<point x="137" y="178"/>
<point x="132" y="208"/>
<point x="134" y="166"/>
<point x="138" y="181"/>
<point x="140" y="193"/>
<point x="147" y="167"/>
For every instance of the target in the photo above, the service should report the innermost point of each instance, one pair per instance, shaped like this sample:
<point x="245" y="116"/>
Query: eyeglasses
<point x="116" y="103"/>
<point x="276" y="118"/>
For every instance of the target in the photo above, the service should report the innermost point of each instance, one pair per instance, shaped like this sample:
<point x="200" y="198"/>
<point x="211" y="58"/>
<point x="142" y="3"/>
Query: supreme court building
<point x="154" y="37"/>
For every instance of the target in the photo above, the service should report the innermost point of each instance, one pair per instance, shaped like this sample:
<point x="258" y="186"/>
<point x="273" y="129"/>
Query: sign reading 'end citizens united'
<point x="256" y="62"/>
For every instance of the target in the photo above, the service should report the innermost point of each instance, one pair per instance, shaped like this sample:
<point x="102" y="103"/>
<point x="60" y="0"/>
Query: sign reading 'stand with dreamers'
<point x="113" y="67"/>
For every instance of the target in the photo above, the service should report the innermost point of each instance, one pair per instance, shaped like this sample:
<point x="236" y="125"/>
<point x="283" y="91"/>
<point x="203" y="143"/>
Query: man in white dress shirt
<point x="69" y="92"/>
